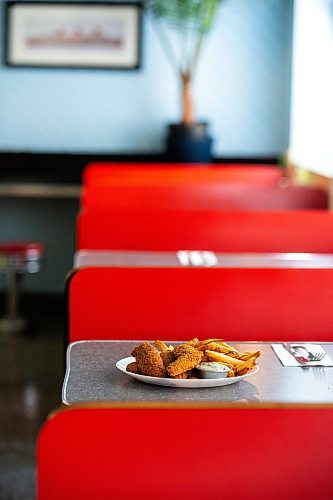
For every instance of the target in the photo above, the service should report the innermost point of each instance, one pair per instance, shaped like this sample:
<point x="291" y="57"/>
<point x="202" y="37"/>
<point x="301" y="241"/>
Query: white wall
<point x="311" y="126"/>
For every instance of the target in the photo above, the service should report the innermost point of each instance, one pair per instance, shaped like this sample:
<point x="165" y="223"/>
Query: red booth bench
<point x="123" y="452"/>
<point x="172" y="230"/>
<point x="268" y="304"/>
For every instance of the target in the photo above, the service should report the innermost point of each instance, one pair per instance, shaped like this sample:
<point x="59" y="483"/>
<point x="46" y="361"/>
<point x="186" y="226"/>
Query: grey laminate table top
<point x="92" y="376"/>
<point x="118" y="258"/>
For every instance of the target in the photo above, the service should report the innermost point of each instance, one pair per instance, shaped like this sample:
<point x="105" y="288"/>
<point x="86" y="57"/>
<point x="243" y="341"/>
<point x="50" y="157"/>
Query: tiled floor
<point x="31" y="373"/>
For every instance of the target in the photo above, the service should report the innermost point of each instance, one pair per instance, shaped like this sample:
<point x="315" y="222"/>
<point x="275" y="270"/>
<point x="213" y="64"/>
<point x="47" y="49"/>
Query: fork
<point x="312" y="356"/>
<point x="316" y="356"/>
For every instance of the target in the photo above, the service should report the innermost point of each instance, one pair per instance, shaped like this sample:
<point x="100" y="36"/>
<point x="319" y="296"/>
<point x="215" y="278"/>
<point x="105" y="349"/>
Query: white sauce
<point x="213" y="366"/>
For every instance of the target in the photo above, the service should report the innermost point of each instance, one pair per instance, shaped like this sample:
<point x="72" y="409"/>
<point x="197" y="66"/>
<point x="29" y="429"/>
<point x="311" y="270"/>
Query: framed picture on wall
<point x="101" y="35"/>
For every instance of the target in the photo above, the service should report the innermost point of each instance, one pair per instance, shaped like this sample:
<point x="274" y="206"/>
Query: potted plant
<point x="191" y="21"/>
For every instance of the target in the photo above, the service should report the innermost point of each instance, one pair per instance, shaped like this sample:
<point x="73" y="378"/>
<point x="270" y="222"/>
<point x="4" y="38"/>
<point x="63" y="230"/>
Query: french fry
<point x="247" y="355"/>
<point x="225" y="345"/>
<point x="243" y="372"/>
<point x="194" y="342"/>
<point x="230" y="373"/>
<point x="244" y="356"/>
<point x="219" y="356"/>
<point x="204" y="359"/>
<point x="207" y="341"/>
<point x="247" y="364"/>
<point x="214" y="346"/>
<point x="161" y="345"/>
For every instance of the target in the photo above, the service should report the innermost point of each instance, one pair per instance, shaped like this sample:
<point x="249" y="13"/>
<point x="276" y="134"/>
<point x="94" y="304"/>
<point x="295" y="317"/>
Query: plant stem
<point x="187" y="100"/>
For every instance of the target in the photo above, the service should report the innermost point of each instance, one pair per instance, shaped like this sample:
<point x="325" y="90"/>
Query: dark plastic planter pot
<point x="189" y="143"/>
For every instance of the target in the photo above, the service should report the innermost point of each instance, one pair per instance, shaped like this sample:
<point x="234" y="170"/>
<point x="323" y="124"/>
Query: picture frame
<point x="94" y="35"/>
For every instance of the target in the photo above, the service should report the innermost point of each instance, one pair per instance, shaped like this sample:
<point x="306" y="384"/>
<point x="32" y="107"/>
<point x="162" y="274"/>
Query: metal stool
<point x="17" y="259"/>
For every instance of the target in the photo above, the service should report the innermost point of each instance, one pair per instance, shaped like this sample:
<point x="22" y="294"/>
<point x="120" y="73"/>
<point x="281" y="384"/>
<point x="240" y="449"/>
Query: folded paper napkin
<point x="287" y="359"/>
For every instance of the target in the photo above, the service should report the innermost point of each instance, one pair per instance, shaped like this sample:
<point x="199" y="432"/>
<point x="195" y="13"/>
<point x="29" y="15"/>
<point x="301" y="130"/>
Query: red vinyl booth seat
<point x="193" y="453"/>
<point x="181" y="303"/>
<point x="172" y="230"/>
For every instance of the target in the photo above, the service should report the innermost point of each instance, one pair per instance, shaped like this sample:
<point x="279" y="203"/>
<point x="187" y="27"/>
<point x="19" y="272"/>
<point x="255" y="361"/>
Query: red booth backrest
<point x="171" y="230"/>
<point x="136" y="174"/>
<point x="206" y="196"/>
<point x="147" y="453"/>
<point x="181" y="303"/>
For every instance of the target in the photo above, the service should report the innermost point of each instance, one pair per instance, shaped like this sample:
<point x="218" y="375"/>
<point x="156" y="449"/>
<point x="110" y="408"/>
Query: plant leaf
<point x="182" y="15"/>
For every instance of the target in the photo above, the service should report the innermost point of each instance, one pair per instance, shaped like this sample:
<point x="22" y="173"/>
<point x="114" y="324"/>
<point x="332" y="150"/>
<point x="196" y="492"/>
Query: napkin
<point x="287" y="359"/>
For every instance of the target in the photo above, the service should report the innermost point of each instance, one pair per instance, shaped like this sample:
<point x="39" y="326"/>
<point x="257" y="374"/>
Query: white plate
<point x="184" y="383"/>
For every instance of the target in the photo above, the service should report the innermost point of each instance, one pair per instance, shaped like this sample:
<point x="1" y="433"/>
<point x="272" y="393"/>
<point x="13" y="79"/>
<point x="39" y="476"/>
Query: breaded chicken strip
<point x="148" y="360"/>
<point x="187" y="358"/>
<point x="132" y="367"/>
<point x="167" y="357"/>
<point x="184" y="375"/>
